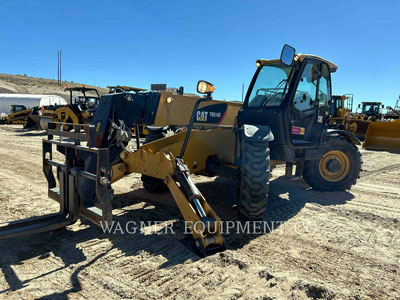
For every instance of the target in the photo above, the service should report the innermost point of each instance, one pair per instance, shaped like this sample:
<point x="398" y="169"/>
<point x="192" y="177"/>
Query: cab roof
<point x="300" y="57"/>
<point x="126" y="88"/>
<point x="80" y="89"/>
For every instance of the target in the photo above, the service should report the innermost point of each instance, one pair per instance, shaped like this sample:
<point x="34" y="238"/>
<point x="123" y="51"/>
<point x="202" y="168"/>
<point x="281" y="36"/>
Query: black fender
<point x="257" y="133"/>
<point x="348" y="135"/>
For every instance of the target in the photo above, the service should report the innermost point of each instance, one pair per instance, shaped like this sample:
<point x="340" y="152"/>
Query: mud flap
<point x="257" y="133"/>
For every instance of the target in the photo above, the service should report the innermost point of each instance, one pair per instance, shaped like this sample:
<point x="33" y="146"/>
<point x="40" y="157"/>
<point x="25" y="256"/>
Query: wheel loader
<point x="384" y="134"/>
<point x="283" y="120"/>
<point x="341" y="109"/>
<point x="80" y="109"/>
<point x="367" y="112"/>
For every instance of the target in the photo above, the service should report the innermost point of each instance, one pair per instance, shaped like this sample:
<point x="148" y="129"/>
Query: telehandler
<point x="283" y="120"/>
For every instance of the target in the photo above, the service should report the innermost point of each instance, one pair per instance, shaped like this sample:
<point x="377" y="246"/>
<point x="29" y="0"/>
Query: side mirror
<point x="359" y="105"/>
<point x="287" y="55"/>
<point x="383" y="106"/>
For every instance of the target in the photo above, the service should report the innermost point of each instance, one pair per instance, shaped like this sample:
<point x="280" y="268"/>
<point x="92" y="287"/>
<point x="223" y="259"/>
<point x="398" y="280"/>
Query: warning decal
<point x="298" y="130"/>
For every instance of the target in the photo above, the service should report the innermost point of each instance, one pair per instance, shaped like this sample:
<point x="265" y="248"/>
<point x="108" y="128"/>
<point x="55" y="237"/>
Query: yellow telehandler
<point x="283" y="120"/>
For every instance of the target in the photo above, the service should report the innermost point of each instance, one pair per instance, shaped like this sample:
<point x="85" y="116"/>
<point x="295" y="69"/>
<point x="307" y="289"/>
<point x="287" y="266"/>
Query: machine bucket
<point x="383" y="136"/>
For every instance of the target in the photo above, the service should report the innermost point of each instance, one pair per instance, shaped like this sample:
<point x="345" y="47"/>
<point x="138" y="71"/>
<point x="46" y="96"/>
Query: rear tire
<point x="345" y="170"/>
<point x="151" y="184"/>
<point x="254" y="182"/>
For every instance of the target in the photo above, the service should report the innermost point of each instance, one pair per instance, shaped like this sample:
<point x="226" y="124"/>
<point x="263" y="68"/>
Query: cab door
<point x="309" y="110"/>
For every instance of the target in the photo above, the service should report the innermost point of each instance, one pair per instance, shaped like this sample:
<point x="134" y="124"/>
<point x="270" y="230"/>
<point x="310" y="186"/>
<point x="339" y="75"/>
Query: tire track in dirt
<point x="349" y="257"/>
<point x="390" y="168"/>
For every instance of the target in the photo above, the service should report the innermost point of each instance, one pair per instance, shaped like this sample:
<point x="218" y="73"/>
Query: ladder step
<point x="54" y="194"/>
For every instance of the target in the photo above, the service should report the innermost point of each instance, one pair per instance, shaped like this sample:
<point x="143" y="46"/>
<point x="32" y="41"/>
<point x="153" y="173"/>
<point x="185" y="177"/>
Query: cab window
<point x="324" y="94"/>
<point x="269" y="88"/>
<point x="306" y="92"/>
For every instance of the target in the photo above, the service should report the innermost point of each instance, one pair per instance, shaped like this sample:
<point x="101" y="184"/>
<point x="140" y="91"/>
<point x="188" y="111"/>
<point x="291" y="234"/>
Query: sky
<point x="179" y="42"/>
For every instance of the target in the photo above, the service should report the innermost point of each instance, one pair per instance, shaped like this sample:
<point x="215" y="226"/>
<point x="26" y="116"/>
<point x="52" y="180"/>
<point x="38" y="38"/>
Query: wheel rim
<point x="334" y="166"/>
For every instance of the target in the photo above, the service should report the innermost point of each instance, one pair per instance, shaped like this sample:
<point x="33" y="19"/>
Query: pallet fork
<point x="77" y="181"/>
<point x="71" y="208"/>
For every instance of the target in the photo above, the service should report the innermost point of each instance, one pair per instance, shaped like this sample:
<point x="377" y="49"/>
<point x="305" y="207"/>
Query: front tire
<point x="254" y="183"/>
<point x="337" y="170"/>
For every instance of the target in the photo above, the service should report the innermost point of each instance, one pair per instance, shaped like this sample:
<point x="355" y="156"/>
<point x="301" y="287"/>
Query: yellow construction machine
<point x="283" y="120"/>
<point x="367" y="113"/>
<point x="18" y="115"/>
<point x="80" y="110"/>
<point x="341" y="109"/>
<point x="385" y="135"/>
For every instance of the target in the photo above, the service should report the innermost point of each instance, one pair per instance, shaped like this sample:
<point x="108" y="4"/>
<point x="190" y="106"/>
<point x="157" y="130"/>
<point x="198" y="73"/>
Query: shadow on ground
<point x="287" y="198"/>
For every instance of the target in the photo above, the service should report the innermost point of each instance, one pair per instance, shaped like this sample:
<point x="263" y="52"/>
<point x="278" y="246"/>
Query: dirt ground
<point x="342" y="245"/>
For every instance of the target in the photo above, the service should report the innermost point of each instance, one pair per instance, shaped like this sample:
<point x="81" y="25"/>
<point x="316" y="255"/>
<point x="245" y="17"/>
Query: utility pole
<point x="59" y="67"/>
<point x="242" y="91"/>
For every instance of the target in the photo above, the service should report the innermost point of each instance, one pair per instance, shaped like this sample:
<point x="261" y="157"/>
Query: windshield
<point x="371" y="108"/>
<point x="270" y="86"/>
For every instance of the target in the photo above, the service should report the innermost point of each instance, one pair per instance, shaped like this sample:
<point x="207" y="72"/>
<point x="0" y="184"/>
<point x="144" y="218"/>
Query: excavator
<point x="284" y="120"/>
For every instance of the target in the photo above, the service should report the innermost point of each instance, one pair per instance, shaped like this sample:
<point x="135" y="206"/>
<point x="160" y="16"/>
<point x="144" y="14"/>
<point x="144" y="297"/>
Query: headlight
<point x="204" y="87"/>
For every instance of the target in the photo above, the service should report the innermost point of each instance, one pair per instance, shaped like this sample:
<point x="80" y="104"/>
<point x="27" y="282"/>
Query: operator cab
<point x="84" y="98"/>
<point x="16" y="108"/>
<point x="292" y="95"/>
<point x="371" y="108"/>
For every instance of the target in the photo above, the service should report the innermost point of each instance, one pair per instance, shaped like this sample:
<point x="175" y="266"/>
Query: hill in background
<point x="22" y="84"/>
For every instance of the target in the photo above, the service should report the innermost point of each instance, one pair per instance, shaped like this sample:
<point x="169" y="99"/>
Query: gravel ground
<point x="341" y="245"/>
